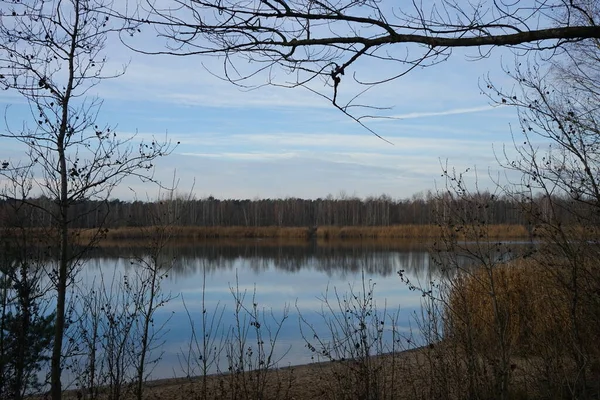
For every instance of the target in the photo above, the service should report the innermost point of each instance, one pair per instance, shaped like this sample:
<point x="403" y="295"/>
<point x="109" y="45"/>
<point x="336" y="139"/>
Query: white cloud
<point x="244" y="156"/>
<point x="337" y="142"/>
<point x="455" y="111"/>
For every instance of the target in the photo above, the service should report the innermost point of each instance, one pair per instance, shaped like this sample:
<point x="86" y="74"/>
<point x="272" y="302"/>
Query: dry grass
<point x="530" y="315"/>
<point x="533" y="303"/>
<point x="410" y="232"/>
<point x="209" y="232"/>
<point x="302" y="233"/>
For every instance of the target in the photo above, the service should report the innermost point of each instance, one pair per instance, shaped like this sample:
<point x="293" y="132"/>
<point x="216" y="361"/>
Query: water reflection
<point x="204" y="274"/>
<point x="376" y="258"/>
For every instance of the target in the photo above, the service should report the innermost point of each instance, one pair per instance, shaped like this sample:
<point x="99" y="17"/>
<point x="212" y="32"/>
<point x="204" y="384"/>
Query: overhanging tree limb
<point x="323" y="39"/>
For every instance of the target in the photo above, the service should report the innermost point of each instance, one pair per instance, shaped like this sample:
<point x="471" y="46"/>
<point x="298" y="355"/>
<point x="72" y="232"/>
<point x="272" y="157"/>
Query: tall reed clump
<point x="457" y="364"/>
<point x="534" y="306"/>
<point x="508" y="320"/>
<point x="534" y="309"/>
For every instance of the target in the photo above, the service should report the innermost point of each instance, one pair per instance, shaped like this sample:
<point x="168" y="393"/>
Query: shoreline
<point x="407" y="232"/>
<point x="299" y="381"/>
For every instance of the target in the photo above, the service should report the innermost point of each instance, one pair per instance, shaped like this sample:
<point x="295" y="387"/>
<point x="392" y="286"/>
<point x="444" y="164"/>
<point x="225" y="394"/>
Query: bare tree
<point x="539" y="307"/>
<point x="314" y="39"/>
<point x="51" y="53"/>
<point x="558" y="158"/>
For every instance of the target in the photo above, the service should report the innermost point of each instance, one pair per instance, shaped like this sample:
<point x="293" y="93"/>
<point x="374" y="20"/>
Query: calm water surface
<point x="282" y="275"/>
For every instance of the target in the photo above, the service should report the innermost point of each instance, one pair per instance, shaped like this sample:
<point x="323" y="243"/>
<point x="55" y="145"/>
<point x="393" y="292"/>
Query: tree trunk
<point x="63" y="223"/>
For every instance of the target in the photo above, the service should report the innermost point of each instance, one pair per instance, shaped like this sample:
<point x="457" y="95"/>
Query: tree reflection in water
<point x="380" y="258"/>
<point x="282" y="273"/>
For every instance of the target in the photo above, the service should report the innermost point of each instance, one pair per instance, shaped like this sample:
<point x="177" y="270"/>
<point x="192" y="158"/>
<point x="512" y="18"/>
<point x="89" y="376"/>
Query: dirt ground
<point x="324" y="380"/>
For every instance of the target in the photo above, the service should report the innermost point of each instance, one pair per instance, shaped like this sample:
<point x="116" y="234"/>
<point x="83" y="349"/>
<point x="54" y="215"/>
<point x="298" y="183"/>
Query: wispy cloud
<point x="337" y="142"/>
<point x="244" y="156"/>
<point x="455" y="111"/>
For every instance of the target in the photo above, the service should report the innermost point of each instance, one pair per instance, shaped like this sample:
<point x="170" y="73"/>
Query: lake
<point x="276" y="278"/>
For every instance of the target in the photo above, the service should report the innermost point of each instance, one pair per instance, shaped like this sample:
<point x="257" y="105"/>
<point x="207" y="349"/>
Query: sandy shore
<point x="312" y="381"/>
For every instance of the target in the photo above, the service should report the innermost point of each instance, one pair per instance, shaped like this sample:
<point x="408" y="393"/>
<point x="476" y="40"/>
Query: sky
<point x="278" y="142"/>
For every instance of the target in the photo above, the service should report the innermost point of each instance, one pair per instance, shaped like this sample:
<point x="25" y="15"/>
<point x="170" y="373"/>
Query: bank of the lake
<point x="402" y="373"/>
<point x="270" y="273"/>
<point x="414" y="232"/>
<point x="282" y="277"/>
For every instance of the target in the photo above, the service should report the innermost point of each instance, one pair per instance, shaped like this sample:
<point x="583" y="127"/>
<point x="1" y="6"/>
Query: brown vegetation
<point x="323" y="232"/>
<point x="535" y="309"/>
<point x="528" y="314"/>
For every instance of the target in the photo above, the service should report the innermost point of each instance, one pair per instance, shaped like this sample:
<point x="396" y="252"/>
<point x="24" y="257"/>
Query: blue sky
<point x="277" y="142"/>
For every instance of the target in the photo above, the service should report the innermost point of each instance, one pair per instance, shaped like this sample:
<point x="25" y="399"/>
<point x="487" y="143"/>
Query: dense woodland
<point x="290" y="212"/>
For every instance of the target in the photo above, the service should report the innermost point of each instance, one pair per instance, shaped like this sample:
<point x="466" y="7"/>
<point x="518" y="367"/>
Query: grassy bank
<point x="304" y="233"/>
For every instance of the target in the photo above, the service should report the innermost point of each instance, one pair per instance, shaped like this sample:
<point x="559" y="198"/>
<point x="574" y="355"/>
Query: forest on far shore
<point x="421" y="209"/>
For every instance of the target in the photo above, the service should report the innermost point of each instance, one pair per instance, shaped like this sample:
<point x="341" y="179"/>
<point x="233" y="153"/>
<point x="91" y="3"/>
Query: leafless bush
<point x="360" y="341"/>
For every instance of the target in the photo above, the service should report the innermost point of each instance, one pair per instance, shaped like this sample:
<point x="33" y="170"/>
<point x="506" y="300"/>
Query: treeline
<point x="289" y="212"/>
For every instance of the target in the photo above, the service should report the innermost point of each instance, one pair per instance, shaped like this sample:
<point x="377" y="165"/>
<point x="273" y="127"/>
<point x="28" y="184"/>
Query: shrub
<point x="532" y="312"/>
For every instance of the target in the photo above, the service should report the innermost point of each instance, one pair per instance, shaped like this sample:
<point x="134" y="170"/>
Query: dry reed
<point x="529" y="312"/>
<point x="304" y="233"/>
<point x="531" y="301"/>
